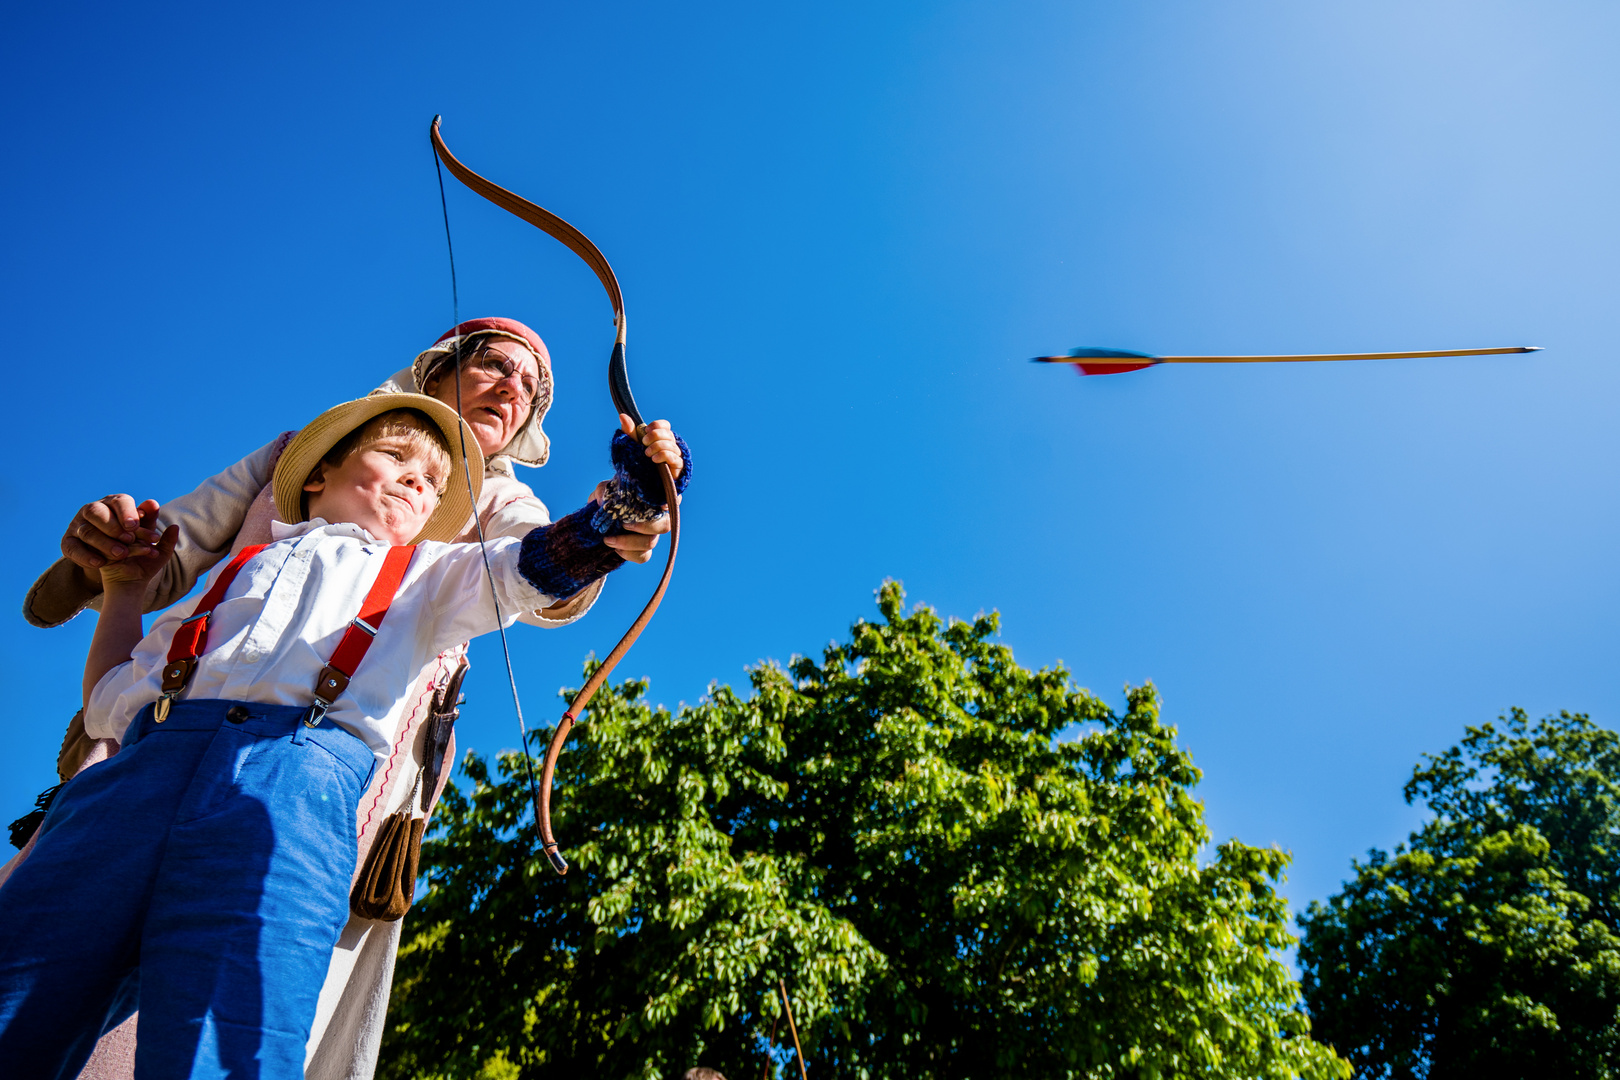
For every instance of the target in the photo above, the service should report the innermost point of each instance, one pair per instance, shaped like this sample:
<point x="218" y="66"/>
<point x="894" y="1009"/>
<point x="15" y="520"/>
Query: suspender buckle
<point x="176" y="673"/>
<point x="328" y="688"/>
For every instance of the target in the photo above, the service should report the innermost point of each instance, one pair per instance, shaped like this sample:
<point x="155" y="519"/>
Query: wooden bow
<point x="625" y="402"/>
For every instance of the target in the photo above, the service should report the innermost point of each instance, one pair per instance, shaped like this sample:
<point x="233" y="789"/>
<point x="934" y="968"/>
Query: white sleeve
<point x="124" y="690"/>
<point x="102" y="719"/>
<point x="513" y="510"/>
<point x="458" y="601"/>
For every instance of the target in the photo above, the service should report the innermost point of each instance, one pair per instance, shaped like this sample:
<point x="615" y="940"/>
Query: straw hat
<point x="449" y="519"/>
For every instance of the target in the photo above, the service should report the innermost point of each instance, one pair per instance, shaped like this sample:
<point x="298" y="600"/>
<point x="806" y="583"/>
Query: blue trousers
<point x="201" y="876"/>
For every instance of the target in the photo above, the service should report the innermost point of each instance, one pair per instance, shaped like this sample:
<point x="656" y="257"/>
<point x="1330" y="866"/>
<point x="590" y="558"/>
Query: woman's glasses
<point x="498" y="367"/>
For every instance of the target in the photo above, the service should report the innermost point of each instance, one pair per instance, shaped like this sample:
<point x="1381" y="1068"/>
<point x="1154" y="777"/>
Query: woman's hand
<point x="659" y="441"/>
<point x="140" y="563"/>
<point x="105" y="531"/>
<point x="637" y="544"/>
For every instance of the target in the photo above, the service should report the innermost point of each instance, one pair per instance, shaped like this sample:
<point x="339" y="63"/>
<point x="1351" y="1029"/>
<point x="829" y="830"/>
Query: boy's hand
<point x="143" y="562"/>
<point x="637" y="544"/>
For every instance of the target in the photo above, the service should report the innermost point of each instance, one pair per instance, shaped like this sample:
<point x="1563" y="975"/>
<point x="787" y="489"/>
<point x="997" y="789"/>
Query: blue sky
<point x="842" y="230"/>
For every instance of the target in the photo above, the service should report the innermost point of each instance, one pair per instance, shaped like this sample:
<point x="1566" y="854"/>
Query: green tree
<point x="1486" y="945"/>
<point x="948" y="890"/>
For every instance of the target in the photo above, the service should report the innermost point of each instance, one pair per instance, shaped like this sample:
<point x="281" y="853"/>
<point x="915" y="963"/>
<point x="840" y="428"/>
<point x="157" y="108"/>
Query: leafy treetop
<point x="897" y="830"/>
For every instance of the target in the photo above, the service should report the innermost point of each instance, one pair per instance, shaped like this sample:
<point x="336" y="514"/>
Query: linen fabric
<point x="282" y="617"/>
<point x="225" y="849"/>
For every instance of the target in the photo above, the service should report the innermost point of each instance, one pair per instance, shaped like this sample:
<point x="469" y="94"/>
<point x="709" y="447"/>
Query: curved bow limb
<point x="624" y="401"/>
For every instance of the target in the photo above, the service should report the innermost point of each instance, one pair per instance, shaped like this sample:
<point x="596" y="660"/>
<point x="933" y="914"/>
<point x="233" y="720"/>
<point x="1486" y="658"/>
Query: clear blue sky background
<point x="842" y="229"/>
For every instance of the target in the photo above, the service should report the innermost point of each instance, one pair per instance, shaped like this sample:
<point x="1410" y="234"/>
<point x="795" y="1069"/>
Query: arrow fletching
<point x="1090" y="361"/>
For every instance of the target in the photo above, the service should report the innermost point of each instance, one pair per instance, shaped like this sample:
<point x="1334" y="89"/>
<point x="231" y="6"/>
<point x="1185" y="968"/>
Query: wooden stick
<point x="772" y="1044"/>
<point x="792" y="1028"/>
<point x="1342" y="356"/>
<point x="1122" y="359"/>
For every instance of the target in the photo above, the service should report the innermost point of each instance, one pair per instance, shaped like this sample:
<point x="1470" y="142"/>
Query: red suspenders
<point x="191" y="637"/>
<point x="334" y="677"/>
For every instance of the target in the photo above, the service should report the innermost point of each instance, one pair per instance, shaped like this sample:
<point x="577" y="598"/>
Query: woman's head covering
<point x="530" y="445"/>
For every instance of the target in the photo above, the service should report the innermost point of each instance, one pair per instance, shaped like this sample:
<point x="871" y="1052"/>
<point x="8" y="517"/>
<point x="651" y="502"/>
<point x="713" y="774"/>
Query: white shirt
<point x="283" y="616"/>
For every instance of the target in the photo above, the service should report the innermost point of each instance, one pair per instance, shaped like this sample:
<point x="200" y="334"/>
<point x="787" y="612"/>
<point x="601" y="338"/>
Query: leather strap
<point x="441" y="722"/>
<point x="191" y="637"/>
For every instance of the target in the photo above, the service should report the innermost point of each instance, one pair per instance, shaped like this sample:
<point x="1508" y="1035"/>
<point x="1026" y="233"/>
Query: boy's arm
<point x="118" y="631"/>
<point x="546" y="567"/>
<point x="510" y="508"/>
<point x="552" y="562"/>
<point x="123" y="598"/>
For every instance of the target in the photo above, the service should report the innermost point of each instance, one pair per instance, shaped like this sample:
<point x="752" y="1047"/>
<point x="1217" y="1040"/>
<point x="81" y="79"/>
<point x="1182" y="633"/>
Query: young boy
<point x="223" y="830"/>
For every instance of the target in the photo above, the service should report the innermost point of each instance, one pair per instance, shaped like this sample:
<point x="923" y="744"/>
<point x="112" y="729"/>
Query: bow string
<point x="624" y="401"/>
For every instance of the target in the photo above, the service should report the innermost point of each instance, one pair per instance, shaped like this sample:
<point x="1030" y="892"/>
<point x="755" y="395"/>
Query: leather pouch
<point x="387" y="883"/>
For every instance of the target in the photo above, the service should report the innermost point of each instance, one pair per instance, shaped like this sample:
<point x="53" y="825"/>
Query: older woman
<point x="504" y="392"/>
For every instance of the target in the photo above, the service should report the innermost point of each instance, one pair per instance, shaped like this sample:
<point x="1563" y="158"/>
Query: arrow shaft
<point x="1301" y="357"/>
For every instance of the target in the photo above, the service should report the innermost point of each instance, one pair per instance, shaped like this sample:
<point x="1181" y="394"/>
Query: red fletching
<point x="1111" y="367"/>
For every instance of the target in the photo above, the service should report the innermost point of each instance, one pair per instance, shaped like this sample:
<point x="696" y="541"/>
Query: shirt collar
<point x="280" y="530"/>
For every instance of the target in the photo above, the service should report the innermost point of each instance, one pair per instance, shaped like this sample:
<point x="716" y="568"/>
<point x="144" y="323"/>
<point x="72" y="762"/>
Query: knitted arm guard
<point x="562" y="558"/>
<point x="636" y="492"/>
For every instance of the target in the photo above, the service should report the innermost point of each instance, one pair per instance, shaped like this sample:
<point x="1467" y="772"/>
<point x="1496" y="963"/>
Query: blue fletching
<point x="1109" y="354"/>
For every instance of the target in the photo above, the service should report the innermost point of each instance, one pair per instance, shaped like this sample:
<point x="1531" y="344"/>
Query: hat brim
<point x="454" y="512"/>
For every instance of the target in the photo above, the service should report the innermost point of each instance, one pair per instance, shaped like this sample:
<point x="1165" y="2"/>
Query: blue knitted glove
<point x="636" y="492"/>
<point x="562" y="558"/>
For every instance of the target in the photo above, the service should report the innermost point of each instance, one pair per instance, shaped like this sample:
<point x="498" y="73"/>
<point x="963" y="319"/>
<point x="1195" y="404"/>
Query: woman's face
<point x="495" y="406"/>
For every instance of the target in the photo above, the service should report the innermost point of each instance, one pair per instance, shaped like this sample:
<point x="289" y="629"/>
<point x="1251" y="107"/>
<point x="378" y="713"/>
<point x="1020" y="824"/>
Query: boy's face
<point x="388" y="485"/>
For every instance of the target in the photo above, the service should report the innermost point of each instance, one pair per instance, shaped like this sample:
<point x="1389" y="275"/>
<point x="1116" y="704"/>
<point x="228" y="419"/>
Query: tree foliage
<point x="896" y="831"/>
<point x="1487" y="945"/>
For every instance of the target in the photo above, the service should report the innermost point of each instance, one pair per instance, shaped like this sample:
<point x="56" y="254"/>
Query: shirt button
<point x="252" y="655"/>
<point x="236" y="713"/>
